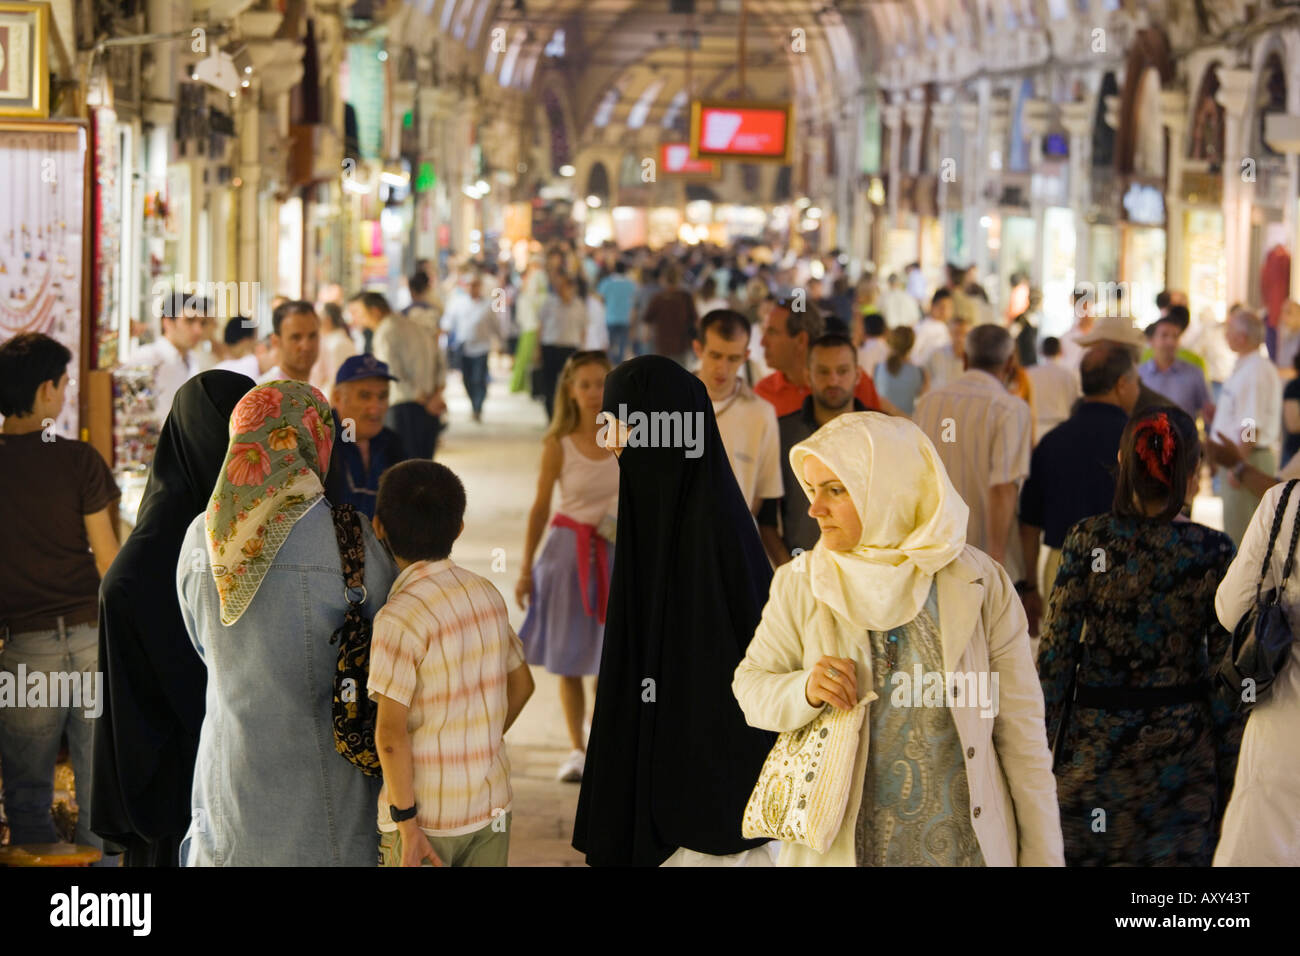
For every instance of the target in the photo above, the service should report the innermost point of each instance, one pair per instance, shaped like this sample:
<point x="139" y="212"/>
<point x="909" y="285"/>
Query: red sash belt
<point x="587" y="540"/>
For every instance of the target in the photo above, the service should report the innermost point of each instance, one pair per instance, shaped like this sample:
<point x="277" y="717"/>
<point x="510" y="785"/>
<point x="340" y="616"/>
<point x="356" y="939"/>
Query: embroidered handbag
<point x="803" y="788"/>
<point x="1261" y="641"/>
<point x="353" y="710"/>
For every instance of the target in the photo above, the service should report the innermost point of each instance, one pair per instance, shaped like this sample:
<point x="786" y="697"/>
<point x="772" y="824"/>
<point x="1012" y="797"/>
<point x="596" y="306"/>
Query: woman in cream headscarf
<point x="893" y="610"/>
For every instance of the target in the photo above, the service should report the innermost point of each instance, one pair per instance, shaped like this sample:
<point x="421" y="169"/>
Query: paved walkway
<point x="498" y="462"/>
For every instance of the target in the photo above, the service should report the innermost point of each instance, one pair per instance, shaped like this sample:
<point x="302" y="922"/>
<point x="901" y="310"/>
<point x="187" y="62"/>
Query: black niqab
<point x="154" y="681"/>
<point x="671" y="761"/>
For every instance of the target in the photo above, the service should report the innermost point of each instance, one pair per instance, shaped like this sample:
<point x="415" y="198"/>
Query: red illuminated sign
<point x="676" y="158"/>
<point x="741" y="131"/>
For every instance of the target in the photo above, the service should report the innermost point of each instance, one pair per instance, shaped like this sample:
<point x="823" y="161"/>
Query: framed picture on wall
<point x="24" y="72"/>
<point x="43" y="235"/>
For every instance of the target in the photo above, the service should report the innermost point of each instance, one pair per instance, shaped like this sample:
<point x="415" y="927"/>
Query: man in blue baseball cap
<point x="363" y="448"/>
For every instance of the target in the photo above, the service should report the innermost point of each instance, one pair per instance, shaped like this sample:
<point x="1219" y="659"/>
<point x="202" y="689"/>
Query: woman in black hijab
<point x="148" y="733"/>
<point x="671" y="761"/>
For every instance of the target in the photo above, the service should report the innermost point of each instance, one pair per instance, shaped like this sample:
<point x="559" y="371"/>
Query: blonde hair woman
<point x="566" y="591"/>
<point x="893" y="610"/>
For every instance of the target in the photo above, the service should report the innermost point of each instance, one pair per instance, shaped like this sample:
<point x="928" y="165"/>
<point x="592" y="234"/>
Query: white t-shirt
<point x="248" y="365"/>
<point x="753" y="443"/>
<point x="171" y="370"/>
<point x="1252" y="394"/>
<point x="931" y="335"/>
<point x="871" y="353"/>
<point x="1056" y="388"/>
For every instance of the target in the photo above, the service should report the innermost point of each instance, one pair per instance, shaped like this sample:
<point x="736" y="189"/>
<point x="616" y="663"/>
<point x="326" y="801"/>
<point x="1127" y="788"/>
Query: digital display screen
<point x="676" y="158"/>
<point x="740" y="131"/>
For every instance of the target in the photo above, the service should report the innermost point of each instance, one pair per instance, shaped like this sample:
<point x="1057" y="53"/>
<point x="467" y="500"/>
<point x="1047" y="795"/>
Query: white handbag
<point x="804" y="786"/>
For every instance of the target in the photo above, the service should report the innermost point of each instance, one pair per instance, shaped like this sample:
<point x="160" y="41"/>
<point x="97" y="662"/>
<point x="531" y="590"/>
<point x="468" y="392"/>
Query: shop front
<point x="1143" y="250"/>
<point x="1058" y="277"/>
<point x="1204" y="249"/>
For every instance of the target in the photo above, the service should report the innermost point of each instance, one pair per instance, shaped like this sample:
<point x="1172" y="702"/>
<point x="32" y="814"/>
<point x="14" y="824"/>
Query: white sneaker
<point x="571" y="769"/>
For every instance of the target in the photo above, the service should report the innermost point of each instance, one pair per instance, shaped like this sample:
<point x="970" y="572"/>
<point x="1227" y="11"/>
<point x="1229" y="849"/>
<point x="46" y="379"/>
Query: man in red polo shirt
<point x="786" y="335"/>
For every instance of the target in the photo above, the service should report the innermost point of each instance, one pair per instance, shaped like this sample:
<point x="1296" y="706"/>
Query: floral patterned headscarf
<point x="281" y="435"/>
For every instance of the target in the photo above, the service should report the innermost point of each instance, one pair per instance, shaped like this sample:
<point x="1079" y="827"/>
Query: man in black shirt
<point x="1072" y="471"/>
<point x="832" y="376"/>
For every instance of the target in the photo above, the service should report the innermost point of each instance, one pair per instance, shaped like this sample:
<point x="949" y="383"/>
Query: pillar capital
<point x="1234" y="89"/>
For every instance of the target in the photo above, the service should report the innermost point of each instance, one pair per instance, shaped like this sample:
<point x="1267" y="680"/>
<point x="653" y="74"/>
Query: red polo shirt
<point x="787" y="397"/>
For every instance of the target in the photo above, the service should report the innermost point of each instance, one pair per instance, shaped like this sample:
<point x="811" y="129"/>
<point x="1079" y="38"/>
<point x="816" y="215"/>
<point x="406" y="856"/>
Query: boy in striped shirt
<point x="449" y="677"/>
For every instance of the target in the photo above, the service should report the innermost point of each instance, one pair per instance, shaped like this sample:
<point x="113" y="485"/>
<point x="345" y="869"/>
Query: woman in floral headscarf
<point x="261" y="592"/>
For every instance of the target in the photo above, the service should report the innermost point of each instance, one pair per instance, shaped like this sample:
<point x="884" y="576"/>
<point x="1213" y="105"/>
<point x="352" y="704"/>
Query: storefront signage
<point x="753" y="131"/>
<point x="1144" y="205"/>
<point x="1204" y="188"/>
<point x="676" y="158"/>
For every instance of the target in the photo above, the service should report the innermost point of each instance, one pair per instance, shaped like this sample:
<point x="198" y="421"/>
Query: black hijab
<point x="671" y="764"/>
<point x="148" y="734"/>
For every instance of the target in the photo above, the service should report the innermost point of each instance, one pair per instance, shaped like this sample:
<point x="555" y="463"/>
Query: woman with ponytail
<point x="1146" y="761"/>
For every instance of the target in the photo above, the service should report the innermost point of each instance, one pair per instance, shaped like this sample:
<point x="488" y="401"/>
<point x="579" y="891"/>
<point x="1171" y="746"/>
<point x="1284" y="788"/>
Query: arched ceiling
<point x="634" y="63"/>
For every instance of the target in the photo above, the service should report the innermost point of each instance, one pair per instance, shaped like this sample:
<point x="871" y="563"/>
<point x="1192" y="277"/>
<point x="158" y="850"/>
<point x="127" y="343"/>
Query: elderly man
<point x="1116" y="330"/>
<point x="1249" y="413"/>
<point x="982" y="433"/>
<point x="1072" y="471"/>
<point x="363" y="448"/>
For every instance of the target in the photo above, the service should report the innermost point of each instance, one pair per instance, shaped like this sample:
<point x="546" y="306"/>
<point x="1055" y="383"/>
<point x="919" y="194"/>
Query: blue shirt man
<point x="363" y="448"/>
<point x="1177" y="379"/>
<point x="618" y="293"/>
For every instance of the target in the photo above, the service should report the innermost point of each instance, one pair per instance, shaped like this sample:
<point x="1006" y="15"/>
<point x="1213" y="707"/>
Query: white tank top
<point x="588" y="488"/>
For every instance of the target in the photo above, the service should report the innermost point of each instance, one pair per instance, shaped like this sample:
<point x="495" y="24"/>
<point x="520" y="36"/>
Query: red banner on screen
<point x="676" y="158"/>
<point x="742" y="131"/>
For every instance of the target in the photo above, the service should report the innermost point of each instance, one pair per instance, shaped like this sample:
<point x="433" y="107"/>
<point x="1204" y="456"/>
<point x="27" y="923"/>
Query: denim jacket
<point x="269" y="787"/>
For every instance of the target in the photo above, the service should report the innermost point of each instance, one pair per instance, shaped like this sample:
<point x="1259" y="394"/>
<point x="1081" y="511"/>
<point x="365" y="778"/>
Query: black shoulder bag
<point x="354" y="711"/>
<point x="1261" y="641"/>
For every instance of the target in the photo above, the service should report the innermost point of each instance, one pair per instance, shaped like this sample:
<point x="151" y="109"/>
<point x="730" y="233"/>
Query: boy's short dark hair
<point x="375" y="300"/>
<point x="418" y="284"/>
<point x="1052" y="346"/>
<point x="832" y="340"/>
<point x="421" y="505"/>
<point x="726" y="322"/>
<point x="873" y="324"/>
<point x="28" y="361"/>
<point x="238" y="329"/>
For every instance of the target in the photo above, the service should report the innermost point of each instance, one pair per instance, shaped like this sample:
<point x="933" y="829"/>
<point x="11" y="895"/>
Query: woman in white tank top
<point x="566" y="589"/>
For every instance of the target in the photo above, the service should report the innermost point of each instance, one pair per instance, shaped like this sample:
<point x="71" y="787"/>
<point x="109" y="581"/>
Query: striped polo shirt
<point x="983" y="435"/>
<point x="443" y="646"/>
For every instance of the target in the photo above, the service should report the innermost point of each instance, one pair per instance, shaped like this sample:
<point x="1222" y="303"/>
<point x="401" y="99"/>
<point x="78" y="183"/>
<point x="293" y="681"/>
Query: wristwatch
<point x="400" y="815"/>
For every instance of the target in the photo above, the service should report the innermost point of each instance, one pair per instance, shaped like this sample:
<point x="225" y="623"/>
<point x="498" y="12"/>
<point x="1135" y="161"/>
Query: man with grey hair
<point x="1072" y="471"/>
<point x="982" y="433"/>
<point x="1249" y="414"/>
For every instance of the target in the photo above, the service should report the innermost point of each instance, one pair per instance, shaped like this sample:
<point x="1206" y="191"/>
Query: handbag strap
<point x="1272" y="539"/>
<point x="352" y="551"/>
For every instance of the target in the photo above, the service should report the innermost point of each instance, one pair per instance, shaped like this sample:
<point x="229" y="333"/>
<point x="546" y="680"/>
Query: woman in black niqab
<point x="670" y="761"/>
<point x="154" y="682"/>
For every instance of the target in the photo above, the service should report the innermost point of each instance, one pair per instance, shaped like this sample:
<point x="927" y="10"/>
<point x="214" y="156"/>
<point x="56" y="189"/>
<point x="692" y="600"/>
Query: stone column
<point x="1077" y="120"/>
<point x="1173" y="113"/>
<point x="1036" y="122"/>
<point x="1235" y="87"/>
<point x="970" y="179"/>
<point x="891" y="117"/>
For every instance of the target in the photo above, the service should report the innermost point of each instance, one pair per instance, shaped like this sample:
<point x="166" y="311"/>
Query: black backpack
<point x="354" y="711"/>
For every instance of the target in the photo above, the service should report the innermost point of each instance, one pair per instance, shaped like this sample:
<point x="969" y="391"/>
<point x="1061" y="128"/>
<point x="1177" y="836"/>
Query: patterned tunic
<point x="1140" y="787"/>
<point x="916" y="799"/>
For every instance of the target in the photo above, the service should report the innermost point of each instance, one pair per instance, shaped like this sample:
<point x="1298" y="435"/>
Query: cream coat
<point x="982" y="625"/>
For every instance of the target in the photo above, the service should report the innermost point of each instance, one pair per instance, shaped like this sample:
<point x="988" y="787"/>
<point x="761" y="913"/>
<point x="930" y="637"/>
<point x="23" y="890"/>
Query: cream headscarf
<point x="913" y="520"/>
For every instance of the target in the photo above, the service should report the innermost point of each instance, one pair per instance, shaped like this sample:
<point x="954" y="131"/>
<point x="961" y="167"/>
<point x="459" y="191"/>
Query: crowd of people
<point x="890" y="480"/>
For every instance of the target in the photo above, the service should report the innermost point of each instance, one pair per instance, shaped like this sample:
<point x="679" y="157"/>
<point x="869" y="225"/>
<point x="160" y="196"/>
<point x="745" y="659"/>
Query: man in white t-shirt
<point x="932" y="332"/>
<point x="747" y="422"/>
<point x="1056" y="388"/>
<point x="172" y="355"/>
<point x="1249" y="413"/>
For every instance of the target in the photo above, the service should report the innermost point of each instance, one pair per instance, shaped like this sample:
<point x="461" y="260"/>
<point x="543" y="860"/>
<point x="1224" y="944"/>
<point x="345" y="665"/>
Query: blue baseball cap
<point x="362" y="366"/>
